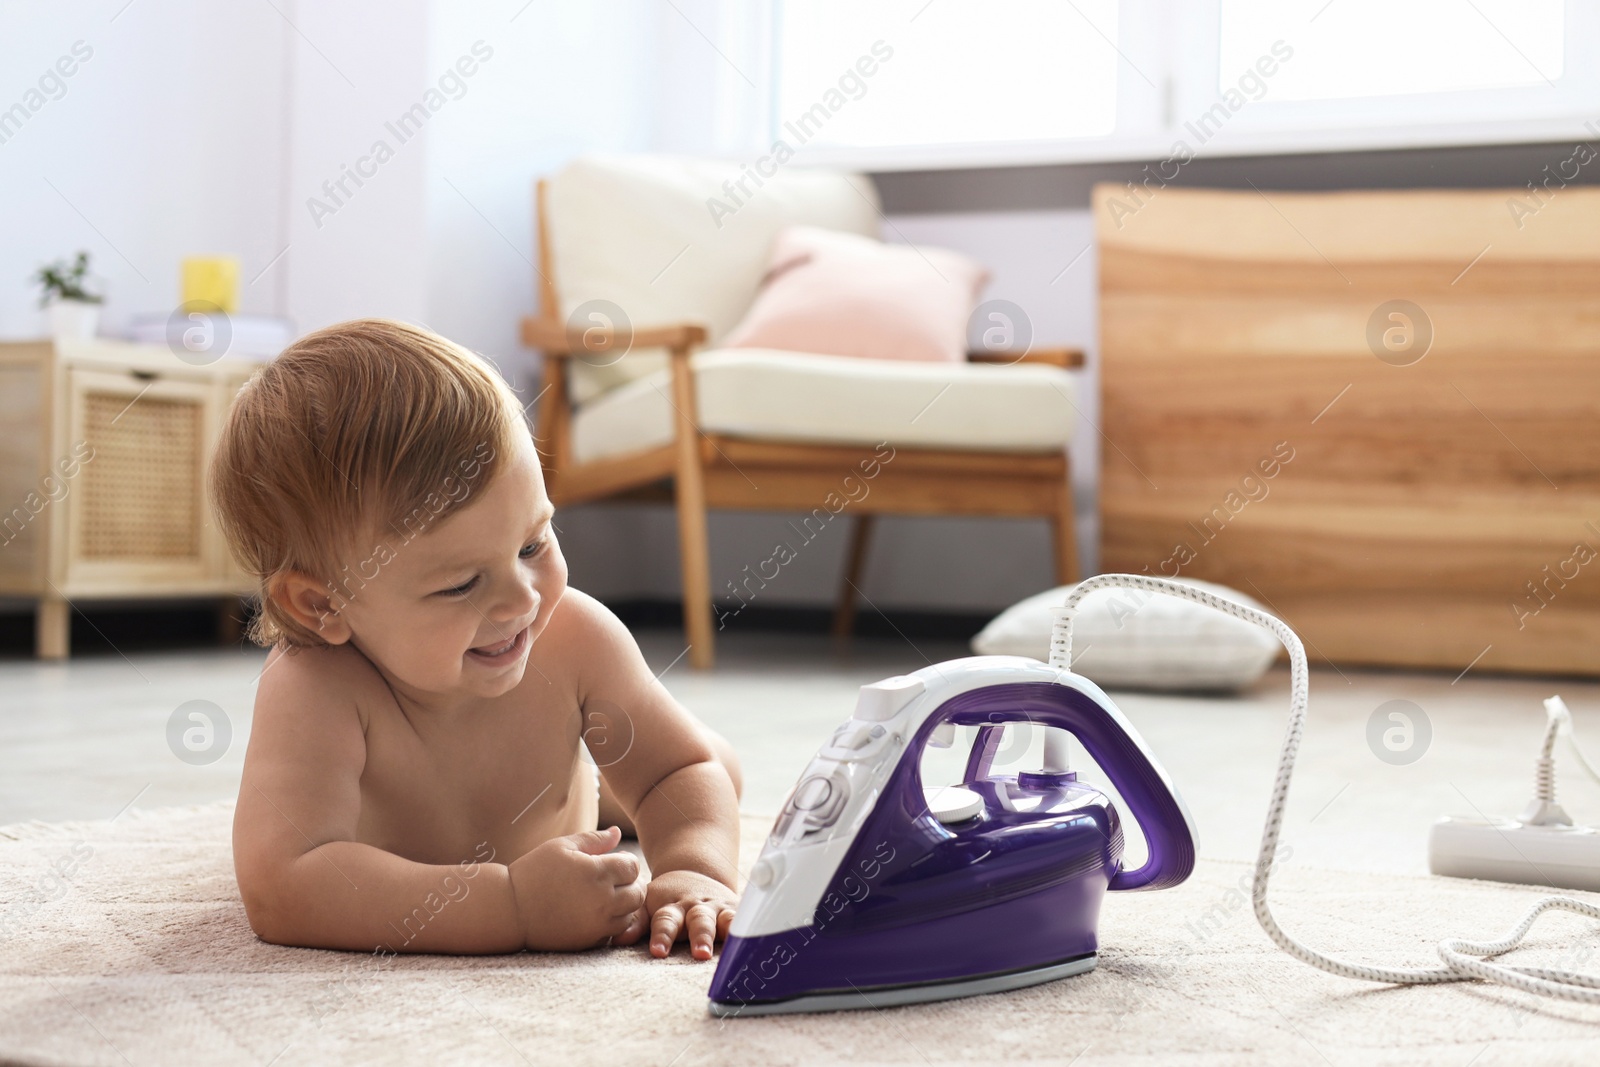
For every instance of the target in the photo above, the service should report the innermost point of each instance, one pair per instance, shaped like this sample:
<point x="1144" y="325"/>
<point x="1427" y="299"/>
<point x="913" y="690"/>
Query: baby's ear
<point x="310" y="603"/>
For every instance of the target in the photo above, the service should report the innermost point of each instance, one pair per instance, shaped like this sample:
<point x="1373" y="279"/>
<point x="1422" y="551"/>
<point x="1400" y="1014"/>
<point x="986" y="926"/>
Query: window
<point x="904" y="84"/>
<point x="923" y="72"/>
<point x="1438" y="71"/>
<point x="1366" y="48"/>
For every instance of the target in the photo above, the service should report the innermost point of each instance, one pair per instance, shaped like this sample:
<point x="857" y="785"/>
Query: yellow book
<point x="213" y="280"/>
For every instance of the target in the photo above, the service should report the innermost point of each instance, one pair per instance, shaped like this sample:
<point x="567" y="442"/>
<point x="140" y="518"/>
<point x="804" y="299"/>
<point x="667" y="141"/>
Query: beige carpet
<point x="141" y="955"/>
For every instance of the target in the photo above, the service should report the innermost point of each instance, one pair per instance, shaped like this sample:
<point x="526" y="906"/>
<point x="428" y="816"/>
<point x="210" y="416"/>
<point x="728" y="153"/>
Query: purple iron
<point x="872" y="891"/>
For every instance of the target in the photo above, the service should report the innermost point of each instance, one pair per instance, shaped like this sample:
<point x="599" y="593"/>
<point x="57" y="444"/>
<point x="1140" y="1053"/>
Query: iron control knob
<point x="813" y="793"/>
<point x="821" y="797"/>
<point x="766" y="871"/>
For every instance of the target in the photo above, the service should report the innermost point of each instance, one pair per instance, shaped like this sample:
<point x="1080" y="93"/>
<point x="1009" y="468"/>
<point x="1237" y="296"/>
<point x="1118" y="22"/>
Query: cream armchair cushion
<point x="817" y="399"/>
<point x="652" y="235"/>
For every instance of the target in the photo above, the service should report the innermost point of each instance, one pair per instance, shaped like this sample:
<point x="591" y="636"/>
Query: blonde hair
<point x="369" y="428"/>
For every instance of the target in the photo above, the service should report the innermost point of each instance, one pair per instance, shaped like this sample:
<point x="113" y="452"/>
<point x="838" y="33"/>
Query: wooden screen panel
<point x="1439" y="508"/>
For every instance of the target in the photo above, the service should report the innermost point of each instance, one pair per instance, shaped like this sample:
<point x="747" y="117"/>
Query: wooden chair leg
<point x="52" y="628"/>
<point x="844" y="613"/>
<point x="1064" y="529"/>
<point x="690" y="488"/>
<point x="696" y="566"/>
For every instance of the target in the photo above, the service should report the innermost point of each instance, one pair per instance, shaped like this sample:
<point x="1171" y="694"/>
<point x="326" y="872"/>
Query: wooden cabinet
<point x="103" y="453"/>
<point x="1377" y="412"/>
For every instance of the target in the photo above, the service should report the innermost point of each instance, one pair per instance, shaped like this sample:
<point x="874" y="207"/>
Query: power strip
<point x="1505" y="850"/>
<point x="1543" y="847"/>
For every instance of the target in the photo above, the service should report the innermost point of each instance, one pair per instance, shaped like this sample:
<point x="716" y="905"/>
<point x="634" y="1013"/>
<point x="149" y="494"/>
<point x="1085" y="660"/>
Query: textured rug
<point x="124" y="943"/>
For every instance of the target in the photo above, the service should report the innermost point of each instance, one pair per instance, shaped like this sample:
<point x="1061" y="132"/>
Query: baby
<point x="417" y="776"/>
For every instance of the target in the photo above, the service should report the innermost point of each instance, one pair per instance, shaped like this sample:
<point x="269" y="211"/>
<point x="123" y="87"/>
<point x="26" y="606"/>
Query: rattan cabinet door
<point x="136" y="520"/>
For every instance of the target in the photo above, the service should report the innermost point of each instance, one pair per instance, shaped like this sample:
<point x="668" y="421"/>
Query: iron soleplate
<point x="919" y="993"/>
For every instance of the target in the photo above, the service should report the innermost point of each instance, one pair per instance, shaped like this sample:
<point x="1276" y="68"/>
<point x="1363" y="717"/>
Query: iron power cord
<point x="1464" y="960"/>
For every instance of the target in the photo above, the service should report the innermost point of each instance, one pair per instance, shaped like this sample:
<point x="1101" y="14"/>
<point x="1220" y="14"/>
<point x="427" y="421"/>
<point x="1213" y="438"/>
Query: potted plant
<point x="74" y="310"/>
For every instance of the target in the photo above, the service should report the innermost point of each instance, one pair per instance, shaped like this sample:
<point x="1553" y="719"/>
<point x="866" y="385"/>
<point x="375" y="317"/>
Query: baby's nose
<point x="523" y="600"/>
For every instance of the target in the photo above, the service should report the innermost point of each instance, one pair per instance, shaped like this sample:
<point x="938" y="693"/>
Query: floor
<point x="82" y="740"/>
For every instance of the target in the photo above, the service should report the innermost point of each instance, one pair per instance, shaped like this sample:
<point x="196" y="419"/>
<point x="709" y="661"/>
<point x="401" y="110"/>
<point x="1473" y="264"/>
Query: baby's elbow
<point x="265" y="920"/>
<point x="269" y="912"/>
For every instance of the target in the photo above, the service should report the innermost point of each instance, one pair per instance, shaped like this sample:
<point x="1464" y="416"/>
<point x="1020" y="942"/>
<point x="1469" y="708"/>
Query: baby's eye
<point x="531" y="550"/>
<point x="460" y="590"/>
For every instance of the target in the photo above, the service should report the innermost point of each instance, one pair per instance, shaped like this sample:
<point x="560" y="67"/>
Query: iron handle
<point x="1141" y="782"/>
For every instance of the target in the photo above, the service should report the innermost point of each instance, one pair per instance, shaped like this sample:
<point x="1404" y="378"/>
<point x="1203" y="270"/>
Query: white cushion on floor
<point x="671" y="240"/>
<point x="795" y="396"/>
<point x="1130" y="639"/>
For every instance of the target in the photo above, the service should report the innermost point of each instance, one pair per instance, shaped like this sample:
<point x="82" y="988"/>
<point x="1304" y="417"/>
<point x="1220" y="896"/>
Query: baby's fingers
<point x="627" y="900"/>
<point x="702" y="930"/>
<point x="619" y="868"/>
<point x="664" y="929"/>
<point x="638" y="923"/>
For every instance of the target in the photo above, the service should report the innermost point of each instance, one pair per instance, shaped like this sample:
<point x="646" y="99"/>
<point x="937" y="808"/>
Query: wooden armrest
<point x="1065" y="358"/>
<point x="555" y="339"/>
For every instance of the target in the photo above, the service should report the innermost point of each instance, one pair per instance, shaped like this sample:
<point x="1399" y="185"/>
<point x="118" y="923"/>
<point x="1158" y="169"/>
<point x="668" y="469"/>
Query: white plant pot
<point x="73" y="320"/>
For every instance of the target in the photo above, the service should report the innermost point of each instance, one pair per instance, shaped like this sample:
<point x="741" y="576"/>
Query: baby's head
<point x="381" y="485"/>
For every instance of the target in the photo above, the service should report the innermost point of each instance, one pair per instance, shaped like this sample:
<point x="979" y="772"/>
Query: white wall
<point x="205" y="128"/>
<point x="354" y="250"/>
<point x="167" y="141"/>
<point x="562" y="81"/>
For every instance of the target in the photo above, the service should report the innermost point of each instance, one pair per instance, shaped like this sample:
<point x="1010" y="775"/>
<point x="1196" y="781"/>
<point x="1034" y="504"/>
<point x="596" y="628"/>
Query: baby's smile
<point x="503" y="654"/>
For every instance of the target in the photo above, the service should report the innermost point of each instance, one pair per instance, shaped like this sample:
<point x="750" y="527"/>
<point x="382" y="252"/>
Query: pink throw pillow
<point x="841" y="294"/>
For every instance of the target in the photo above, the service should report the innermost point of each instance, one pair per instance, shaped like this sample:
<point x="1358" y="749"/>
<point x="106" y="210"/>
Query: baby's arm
<point x="306" y="880"/>
<point x="680" y="796"/>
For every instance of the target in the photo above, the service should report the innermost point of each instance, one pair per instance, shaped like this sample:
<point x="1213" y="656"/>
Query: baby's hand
<point x="573" y="892"/>
<point x="688" y="905"/>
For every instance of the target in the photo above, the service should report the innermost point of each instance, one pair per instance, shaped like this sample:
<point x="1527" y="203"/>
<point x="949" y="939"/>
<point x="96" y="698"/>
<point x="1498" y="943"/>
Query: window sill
<point x="1228" y="142"/>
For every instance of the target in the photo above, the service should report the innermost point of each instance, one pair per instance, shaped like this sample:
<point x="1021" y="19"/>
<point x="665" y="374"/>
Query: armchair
<point x="627" y="411"/>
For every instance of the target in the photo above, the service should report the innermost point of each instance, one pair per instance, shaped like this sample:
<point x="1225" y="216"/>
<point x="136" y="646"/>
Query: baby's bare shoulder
<point x="591" y="645"/>
<point x="581" y="625"/>
<point x="314" y="681"/>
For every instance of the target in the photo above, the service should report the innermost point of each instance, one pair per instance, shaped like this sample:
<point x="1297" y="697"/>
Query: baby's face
<point x="455" y="610"/>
